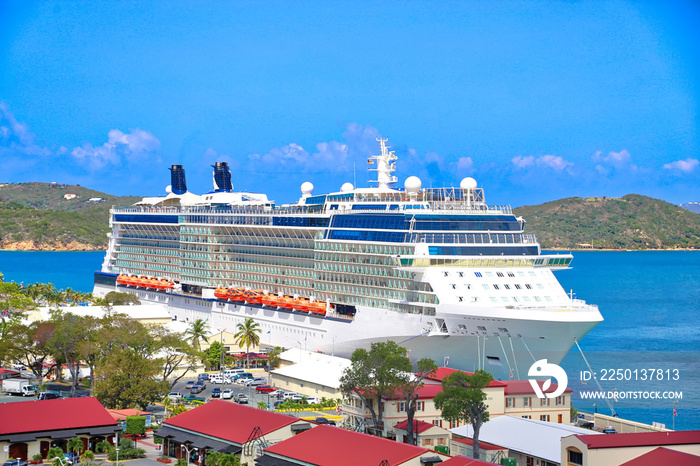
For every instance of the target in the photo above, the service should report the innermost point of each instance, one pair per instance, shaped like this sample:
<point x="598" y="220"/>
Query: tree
<point x="463" y="399"/>
<point x="376" y="373"/>
<point x="410" y="390"/>
<point x="115" y="298"/>
<point x="249" y="335"/>
<point x="69" y="332"/>
<point x="75" y="446"/>
<point x="175" y="354"/>
<point x="197" y="331"/>
<point x="53" y="453"/>
<point x="135" y="425"/>
<point x="213" y="355"/>
<point x="274" y="356"/>
<point x="126" y="379"/>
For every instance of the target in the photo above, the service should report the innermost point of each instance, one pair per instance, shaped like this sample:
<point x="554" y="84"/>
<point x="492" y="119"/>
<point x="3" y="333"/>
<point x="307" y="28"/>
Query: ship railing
<point x="472" y="238"/>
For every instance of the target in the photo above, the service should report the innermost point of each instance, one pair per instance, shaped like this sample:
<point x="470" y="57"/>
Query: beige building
<point x="426" y="435"/>
<point x="310" y="374"/>
<point x="615" y="449"/>
<point x="521" y="401"/>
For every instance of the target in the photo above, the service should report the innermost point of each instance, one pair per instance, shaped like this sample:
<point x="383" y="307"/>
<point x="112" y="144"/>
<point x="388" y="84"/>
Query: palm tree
<point x="249" y="335"/>
<point x="75" y="446"/>
<point x="198" y="330"/>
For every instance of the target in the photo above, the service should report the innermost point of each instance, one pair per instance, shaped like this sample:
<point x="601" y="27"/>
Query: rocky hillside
<point x="630" y="222"/>
<point x="41" y="216"/>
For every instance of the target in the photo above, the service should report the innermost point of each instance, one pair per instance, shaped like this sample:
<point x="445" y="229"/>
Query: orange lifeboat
<point x="235" y="294"/>
<point x="301" y="304"/>
<point x="123" y="279"/>
<point x="317" y="307"/>
<point x="269" y="299"/>
<point x="285" y="302"/>
<point x="220" y="292"/>
<point x="253" y="296"/>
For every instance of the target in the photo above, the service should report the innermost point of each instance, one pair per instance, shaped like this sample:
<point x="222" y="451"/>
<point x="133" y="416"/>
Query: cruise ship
<point x="436" y="270"/>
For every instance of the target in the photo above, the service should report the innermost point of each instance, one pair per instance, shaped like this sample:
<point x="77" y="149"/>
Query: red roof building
<point x="226" y="427"/>
<point x="331" y="446"/>
<point x="615" y="449"/>
<point x="31" y="427"/>
<point x="664" y="456"/>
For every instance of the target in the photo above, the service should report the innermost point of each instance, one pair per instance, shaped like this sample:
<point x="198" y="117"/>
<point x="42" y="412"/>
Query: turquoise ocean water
<point x="650" y="302"/>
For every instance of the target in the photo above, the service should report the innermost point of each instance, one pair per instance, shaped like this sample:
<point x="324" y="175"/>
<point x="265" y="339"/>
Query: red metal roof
<point x="443" y="372"/>
<point x="340" y="447"/>
<point x="640" y="439"/>
<point x="418" y="426"/>
<point x="426" y="392"/>
<point x="523" y="387"/>
<point x="121" y="414"/>
<point x="464" y="461"/>
<point x="43" y="415"/>
<point x="482" y="445"/>
<point x="7" y="371"/>
<point x="663" y="455"/>
<point x="229" y="421"/>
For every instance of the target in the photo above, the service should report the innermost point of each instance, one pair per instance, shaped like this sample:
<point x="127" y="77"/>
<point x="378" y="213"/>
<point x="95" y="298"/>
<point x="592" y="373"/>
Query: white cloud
<point x="686" y="166"/>
<point x="120" y="148"/>
<point x="621" y="159"/>
<point x="15" y="137"/>
<point x="551" y="161"/>
<point x="522" y="162"/>
<point x="465" y="164"/>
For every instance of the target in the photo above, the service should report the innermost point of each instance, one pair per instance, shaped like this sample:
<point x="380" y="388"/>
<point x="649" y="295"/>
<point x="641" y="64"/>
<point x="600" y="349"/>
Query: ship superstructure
<point x="435" y="269"/>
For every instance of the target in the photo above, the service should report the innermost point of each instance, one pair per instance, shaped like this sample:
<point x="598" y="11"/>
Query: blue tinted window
<point x="136" y="218"/>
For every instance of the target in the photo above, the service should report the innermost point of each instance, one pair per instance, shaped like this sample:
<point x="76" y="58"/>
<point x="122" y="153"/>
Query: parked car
<point x="296" y="397"/>
<point x="197" y="389"/>
<point x="226" y="394"/>
<point x="189" y="384"/>
<point x="192" y="397"/>
<point x="264" y="389"/>
<point x="242" y="398"/>
<point x="256" y="381"/>
<point x="175" y="396"/>
<point x="243" y="377"/>
<point x="312" y="400"/>
<point x="203" y="376"/>
<point x="216" y="392"/>
<point x="15" y="463"/>
<point x="216" y="378"/>
<point x="200" y="383"/>
<point x="287" y="395"/>
<point x="324" y="420"/>
<point x="48" y="396"/>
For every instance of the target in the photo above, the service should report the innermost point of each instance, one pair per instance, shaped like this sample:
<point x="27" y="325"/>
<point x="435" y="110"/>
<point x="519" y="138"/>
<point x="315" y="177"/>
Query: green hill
<point x="39" y="216"/>
<point x="630" y="222"/>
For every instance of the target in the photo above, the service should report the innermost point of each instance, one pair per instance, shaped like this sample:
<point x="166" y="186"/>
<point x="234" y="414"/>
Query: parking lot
<point x="254" y="397"/>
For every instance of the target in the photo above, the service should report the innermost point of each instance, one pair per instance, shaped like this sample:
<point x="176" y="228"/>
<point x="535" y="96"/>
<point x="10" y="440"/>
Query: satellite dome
<point x="307" y="188"/>
<point x="413" y="184"/>
<point x="346" y="187"/>
<point x="468" y="183"/>
<point x="169" y="189"/>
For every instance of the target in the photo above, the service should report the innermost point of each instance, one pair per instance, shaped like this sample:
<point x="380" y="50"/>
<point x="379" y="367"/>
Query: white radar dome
<point x="413" y="184"/>
<point x="307" y="188"/>
<point x="169" y="189"/>
<point x="346" y="187"/>
<point x="468" y="183"/>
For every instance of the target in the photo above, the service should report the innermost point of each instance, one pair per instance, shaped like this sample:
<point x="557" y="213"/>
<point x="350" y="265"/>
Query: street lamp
<point x="189" y="452"/>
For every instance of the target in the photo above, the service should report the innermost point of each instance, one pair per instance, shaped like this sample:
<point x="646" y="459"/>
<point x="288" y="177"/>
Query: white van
<point x="216" y="378"/>
<point x="231" y="372"/>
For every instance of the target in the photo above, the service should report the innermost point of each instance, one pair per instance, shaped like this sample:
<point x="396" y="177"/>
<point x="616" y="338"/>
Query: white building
<point x="311" y="374"/>
<point x="532" y="442"/>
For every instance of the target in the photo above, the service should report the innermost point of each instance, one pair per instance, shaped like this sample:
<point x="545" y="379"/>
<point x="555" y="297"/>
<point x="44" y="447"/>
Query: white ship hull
<point x="507" y="355"/>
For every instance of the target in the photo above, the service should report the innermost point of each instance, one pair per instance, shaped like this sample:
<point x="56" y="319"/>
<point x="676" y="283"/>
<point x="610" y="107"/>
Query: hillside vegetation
<point x="37" y="216"/>
<point x="630" y="222"/>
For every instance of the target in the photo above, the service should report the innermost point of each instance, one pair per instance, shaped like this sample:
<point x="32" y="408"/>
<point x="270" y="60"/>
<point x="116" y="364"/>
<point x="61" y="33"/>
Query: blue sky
<point x="535" y="100"/>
